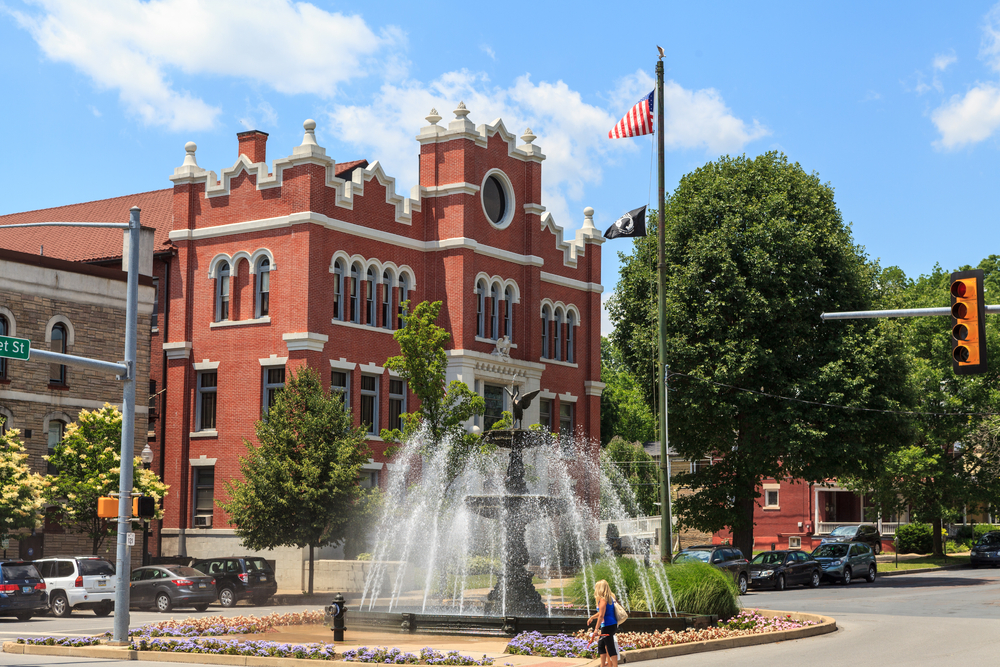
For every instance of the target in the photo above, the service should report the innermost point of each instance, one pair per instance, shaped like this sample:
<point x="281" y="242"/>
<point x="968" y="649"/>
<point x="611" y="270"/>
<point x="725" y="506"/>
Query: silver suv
<point x="78" y="582"/>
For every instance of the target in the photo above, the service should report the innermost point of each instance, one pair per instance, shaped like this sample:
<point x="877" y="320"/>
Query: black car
<point x="860" y="533"/>
<point x="167" y="586"/>
<point x="723" y="556"/>
<point x="986" y="550"/>
<point x="778" y="569"/>
<point x="22" y="590"/>
<point x="239" y="578"/>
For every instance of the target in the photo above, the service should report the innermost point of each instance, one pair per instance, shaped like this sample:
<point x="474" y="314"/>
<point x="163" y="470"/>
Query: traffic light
<point x="143" y="507"/>
<point x="107" y="508"/>
<point x="968" y="323"/>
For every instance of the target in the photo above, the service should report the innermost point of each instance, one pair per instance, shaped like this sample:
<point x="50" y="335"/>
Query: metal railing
<point x="887" y="528"/>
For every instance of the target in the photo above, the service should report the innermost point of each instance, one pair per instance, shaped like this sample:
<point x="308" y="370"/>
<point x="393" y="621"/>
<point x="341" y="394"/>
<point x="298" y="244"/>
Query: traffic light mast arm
<point x="904" y="312"/>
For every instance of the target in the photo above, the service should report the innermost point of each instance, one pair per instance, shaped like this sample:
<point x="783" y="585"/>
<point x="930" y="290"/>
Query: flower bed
<point x="428" y="656"/>
<point x="59" y="641"/>
<point x="214" y="626"/>
<point x="236" y="647"/>
<point x="747" y="622"/>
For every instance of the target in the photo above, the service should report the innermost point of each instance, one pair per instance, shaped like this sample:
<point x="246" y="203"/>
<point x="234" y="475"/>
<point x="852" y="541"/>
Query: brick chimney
<point x="253" y="144"/>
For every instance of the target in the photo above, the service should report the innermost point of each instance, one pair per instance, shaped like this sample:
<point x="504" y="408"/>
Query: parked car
<point x="239" y="578"/>
<point x="723" y="556"/>
<point x="778" y="569"/>
<point x="164" y="587"/>
<point x="843" y="561"/>
<point x="78" y="582"/>
<point x="861" y="533"/>
<point x="986" y="550"/>
<point x="22" y="591"/>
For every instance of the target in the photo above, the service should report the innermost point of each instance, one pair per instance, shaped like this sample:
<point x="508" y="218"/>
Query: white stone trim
<point x="567" y="398"/>
<point x="66" y="285"/>
<point x="239" y="323"/>
<point x="491" y="341"/>
<point x="233" y="267"/>
<point x="372" y="465"/>
<point x="59" y="399"/>
<point x="500" y="283"/>
<point x="534" y="209"/>
<point x="464" y="129"/>
<point x="11" y="321"/>
<point x="202" y="460"/>
<point x="770" y="486"/>
<point x="572" y="283"/>
<point x="508" y="188"/>
<point x="208" y="433"/>
<point x="557" y="362"/>
<point x="55" y="416"/>
<point x="206" y="365"/>
<point x="557" y="306"/>
<point x="213" y="266"/>
<point x="273" y="360"/>
<point x="486" y="360"/>
<point x="256" y="257"/>
<point x="593" y="387"/>
<point x="303" y="340"/>
<point x="366" y="327"/>
<point x="380" y="267"/>
<point x="178" y="350"/>
<point x="450" y="189"/>
<point x="546" y="394"/>
<point x="370" y="368"/>
<point x="60" y="319"/>
<point x="342" y="364"/>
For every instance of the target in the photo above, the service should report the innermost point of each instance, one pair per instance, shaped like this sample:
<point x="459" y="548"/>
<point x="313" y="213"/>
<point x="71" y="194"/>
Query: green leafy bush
<point x="482" y="565"/>
<point x="364" y="556"/>
<point x="916" y="538"/>
<point x="981" y="529"/>
<point x="698" y="588"/>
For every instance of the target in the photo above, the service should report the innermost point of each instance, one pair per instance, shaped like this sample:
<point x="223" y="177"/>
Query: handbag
<point x="620" y="612"/>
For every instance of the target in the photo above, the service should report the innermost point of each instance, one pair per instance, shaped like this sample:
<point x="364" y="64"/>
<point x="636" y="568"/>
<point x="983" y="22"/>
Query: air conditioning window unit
<point x="794" y="541"/>
<point x="203" y="521"/>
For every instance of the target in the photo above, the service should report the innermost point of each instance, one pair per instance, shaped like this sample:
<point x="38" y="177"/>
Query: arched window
<point x="558" y="337"/>
<point x="494" y="313"/>
<point x="404" y="295"/>
<point x="570" y="337"/>
<point x="338" y="290"/>
<point x="370" y="297"/>
<point x="481" y="309"/>
<point x="508" y="314"/>
<point x="386" y="300"/>
<point x="222" y="293"/>
<point x="4" y="331"/>
<point x="263" y="285"/>
<point x="57" y="372"/>
<point x="355" y="286"/>
<point x="546" y="316"/>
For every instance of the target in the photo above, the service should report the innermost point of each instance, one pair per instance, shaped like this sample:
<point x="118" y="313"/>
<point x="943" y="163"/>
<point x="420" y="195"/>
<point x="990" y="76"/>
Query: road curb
<point x="897" y="573"/>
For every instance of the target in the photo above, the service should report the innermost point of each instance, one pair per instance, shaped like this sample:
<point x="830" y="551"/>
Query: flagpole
<point x="666" y="543"/>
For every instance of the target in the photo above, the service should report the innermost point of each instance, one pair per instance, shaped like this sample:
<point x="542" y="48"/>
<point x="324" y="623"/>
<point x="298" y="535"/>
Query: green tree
<point x="444" y="407"/>
<point x="756" y="250"/>
<point x="625" y="412"/>
<point x="88" y="464"/>
<point x="21" y="497"/>
<point x="299" y="486"/>
<point x="638" y="469"/>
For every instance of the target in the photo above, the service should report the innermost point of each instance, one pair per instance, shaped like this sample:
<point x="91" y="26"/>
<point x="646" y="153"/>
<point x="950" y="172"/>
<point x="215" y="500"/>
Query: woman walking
<point x="606" y="625"/>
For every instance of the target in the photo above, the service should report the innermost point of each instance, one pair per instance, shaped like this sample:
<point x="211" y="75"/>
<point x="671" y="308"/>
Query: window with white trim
<point x="494" y="313"/>
<point x="493" y="395"/>
<point x="386" y="301"/>
<point x="770" y="497"/>
<point x="204" y="491"/>
<point x="570" y="338"/>
<point x="338" y="290"/>
<point x="700" y="464"/>
<point x="154" y="316"/>
<point x="222" y="293"/>
<point x="56" y="430"/>
<point x="404" y="295"/>
<point x="262" y="284"/>
<point x="274" y="381"/>
<point x="545" y="414"/>
<point x="369" y="404"/>
<point x="340" y="383"/>
<point x="397" y="402"/>
<point x="508" y="314"/>
<point x="566" y="423"/>
<point x="481" y="309"/>
<point x="558" y="336"/>
<point x="370" y="297"/>
<point x="546" y="315"/>
<point x="207" y="405"/>
<point x="57" y="372"/>
<point x="355" y="296"/>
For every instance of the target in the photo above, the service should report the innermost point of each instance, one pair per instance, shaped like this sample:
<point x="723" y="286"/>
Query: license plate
<point x="201" y="585"/>
<point x="263" y="578"/>
<point x="102" y="584"/>
<point x="26" y="589"/>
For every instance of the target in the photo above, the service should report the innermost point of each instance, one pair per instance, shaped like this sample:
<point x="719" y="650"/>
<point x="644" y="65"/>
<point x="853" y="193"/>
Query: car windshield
<point x="255" y="565"/>
<point x="701" y="556"/>
<point x="181" y="571"/>
<point x="844" y="531"/>
<point x="20" y="571"/>
<point x="830" y="551"/>
<point x="768" y="558"/>
<point x="989" y="539"/>
<point x="95" y="566"/>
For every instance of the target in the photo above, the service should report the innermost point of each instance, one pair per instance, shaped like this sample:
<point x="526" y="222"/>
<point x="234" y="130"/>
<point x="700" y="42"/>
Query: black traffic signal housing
<point x="968" y="323"/>
<point x="144" y="507"/>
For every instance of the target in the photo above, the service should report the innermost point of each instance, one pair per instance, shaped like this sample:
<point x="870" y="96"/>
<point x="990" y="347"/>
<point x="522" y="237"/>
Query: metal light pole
<point x="666" y="541"/>
<point x="147" y="458"/>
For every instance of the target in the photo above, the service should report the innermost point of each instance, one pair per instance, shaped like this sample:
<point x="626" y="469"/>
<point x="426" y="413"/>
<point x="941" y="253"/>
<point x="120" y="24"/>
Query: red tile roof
<point x="89" y="245"/>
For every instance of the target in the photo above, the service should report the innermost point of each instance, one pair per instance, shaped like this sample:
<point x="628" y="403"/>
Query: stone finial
<point x="461" y="112"/>
<point x="309" y="139"/>
<point x="309" y="147"/>
<point x="189" y="160"/>
<point x="434" y="117"/>
<point x="588" y="218"/>
<point x="528" y="137"/>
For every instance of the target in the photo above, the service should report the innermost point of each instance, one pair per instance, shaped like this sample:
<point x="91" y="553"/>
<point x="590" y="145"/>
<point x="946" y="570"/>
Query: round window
<point x="494" y="200"/>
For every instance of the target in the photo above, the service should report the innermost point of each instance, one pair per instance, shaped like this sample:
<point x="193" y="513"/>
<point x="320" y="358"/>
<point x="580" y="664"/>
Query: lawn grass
<point x="921" y="562"/>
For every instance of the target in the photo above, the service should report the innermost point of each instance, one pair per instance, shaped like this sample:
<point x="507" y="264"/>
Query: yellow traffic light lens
<point x="960" y="332"/>
<point x="961" y="354"/>
<point x="960" y="311"/>
<point x="958" y="289"/>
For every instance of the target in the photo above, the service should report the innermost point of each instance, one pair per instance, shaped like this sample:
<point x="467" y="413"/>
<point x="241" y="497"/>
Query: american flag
<point x="637" y="122"/>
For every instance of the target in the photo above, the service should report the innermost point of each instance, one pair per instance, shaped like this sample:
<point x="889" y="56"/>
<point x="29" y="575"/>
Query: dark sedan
<point x="22" y="591"/>
<point x="986" y="551"/>
<point x="164" y="587"/>
<point x="778" y="569"/>
<point x="861" y="533"/>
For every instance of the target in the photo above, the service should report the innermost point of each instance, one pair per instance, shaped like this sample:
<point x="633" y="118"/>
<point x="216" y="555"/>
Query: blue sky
<point x="896" y="105"/>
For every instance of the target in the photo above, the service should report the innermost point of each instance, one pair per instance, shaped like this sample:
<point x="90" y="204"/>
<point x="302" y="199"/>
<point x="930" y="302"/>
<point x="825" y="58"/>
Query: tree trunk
<point x="311" y="565"/>
<point x="743" y="528"/>
<point x="936" y="537"/>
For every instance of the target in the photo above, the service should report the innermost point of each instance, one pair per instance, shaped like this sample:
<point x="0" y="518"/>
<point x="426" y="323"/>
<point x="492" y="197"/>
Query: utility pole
<point x="666" y="543"/>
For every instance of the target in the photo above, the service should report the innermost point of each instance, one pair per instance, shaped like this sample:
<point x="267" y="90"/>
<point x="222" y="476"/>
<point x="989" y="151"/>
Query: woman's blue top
<point x="609" y="614"/>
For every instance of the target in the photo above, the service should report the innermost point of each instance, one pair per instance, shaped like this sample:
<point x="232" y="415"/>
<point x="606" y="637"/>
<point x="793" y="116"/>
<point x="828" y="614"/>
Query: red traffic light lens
<point x="958" y="289"/>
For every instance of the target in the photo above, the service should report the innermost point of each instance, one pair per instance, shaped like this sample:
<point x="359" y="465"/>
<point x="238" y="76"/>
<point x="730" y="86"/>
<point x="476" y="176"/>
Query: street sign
<point x="130" y="539"/>
<point x="14" y="348"/>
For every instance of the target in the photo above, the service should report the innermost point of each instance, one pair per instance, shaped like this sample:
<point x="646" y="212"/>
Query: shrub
<point x="916" y="538"/>
<point x="482" y="565"/>
<point x="364" y="556"/>
<point x="981" y="529"/>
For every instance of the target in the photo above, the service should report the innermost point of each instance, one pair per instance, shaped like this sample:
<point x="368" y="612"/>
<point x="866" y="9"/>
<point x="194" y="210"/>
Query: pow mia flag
<point x="632" y="223"/>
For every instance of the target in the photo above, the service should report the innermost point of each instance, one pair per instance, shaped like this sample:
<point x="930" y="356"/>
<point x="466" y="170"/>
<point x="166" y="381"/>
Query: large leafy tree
<point x="636" y="470"/>
<point x="88" y="465"/>
<point x="20" y="489"/>
<point x="300" y="484"/>
<point x="756" y="250"/>
<point x="624" y="410"/>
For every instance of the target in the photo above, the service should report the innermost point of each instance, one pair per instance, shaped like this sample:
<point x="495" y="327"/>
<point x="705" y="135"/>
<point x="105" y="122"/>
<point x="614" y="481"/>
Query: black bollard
<point x="338" y="609"/>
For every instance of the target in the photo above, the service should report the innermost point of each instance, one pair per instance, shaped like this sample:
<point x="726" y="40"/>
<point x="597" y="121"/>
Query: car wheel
<point x="26" y="616"/>
<point x="878" y="548"/>
<point x="741" y="583"/>
<point x="200" y="607"/>
<point x="846" y="580"/>
<point x="871" y="574"/>
<point x="104" y="609"/>
<point x="60" y="605"/>
<point x="227" y="597"/>
<point x="779" y="584"/>
<point x="814" y="581"/>
<point x="163" y="603"/>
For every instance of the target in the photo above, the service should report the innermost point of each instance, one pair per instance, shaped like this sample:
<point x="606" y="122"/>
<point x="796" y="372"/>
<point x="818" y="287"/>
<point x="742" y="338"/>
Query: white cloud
<point x="485" y="48"/>
<point x="259" y="115"/>
<point x="134" y="47"/>
<point x="989" y="47"/>
<point x="970" y="118"/>
<point x="942" y="61"/>
<point x="572" y="133"/>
